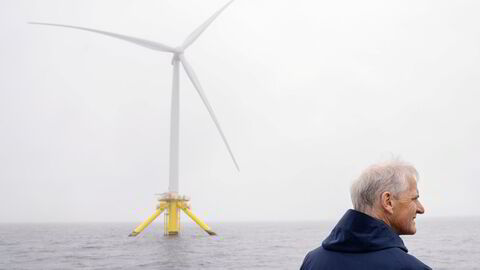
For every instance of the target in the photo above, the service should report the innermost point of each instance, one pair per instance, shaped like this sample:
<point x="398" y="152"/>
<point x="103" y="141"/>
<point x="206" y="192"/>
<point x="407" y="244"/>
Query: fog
<point x="308" y="94"/>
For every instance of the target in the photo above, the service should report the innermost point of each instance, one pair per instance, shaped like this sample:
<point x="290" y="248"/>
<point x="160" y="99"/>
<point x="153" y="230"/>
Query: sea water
<point x="442" y="243"/>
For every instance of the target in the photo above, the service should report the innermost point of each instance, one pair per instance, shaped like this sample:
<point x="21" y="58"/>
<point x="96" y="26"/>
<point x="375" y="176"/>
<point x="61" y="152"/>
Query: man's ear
<point x="386" y="202"/>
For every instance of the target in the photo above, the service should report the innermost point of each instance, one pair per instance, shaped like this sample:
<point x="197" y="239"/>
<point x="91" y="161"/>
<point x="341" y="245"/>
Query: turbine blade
<point x="195" y="34"/>
<point x="142" y="42"/>
<point x="193" y="78"/>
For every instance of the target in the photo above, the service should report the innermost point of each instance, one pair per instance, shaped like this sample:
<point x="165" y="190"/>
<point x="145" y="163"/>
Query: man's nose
<point x="420" y="209"/>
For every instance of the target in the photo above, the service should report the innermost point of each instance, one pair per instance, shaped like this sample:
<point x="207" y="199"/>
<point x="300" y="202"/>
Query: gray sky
<point x="308" y="94"/>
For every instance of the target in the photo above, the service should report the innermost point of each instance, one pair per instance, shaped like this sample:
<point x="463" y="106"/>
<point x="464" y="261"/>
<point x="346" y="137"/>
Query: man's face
<point x="406" y="206"/>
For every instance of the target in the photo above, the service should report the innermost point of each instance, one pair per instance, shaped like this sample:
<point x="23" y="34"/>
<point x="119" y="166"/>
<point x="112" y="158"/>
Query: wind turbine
<point x="171" y="200"/>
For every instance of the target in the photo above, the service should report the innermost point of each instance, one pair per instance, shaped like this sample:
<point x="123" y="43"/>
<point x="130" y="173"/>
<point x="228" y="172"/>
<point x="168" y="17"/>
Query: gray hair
<point x="389" y="176"/>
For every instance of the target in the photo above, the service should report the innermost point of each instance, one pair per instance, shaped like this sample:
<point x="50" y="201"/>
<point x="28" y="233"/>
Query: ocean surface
<point x="452" y="243"/>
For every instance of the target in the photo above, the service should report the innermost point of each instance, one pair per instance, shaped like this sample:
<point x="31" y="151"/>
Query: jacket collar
<point x="358" y="232"/>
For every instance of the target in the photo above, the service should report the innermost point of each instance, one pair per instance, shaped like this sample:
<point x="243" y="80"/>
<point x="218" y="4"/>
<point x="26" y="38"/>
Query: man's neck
<point x="378" y="215"/>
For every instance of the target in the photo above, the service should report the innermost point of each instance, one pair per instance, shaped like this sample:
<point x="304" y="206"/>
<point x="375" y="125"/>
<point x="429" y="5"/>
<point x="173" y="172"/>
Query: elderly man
<point x="385" y="199"/>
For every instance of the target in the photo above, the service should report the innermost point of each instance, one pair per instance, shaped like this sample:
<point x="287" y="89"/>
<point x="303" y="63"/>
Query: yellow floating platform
<point x="173" y="203"/>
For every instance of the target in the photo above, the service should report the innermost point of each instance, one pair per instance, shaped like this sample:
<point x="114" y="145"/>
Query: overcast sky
<point x="308" y="93"/>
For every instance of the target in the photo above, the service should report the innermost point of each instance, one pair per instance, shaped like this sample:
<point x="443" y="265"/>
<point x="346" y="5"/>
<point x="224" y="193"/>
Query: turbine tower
<point x="171" y="200"/>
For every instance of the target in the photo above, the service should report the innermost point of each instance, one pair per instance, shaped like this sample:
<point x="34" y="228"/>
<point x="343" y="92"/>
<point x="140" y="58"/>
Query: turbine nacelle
<point x="178" y="49"/>
<point x="176" y="56"/>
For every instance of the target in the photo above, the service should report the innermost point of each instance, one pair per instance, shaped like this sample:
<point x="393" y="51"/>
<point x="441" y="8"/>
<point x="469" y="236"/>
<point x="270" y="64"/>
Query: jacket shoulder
<point x="407" y="261"/>
<point x="386" y="259"/>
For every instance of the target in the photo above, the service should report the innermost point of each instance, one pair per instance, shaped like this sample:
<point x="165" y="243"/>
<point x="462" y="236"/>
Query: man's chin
<point x="412" y="230"/>
<point x="409" y="231"/>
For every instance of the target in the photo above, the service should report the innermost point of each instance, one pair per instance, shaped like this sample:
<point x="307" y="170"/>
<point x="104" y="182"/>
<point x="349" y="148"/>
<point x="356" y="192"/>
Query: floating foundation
<point x="172" y="203"/>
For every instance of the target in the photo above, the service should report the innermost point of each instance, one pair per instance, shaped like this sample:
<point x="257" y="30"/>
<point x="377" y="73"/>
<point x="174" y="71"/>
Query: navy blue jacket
<point x="360" y="241"/>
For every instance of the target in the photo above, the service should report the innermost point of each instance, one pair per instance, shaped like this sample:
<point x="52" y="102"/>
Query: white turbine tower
<point x="171" y="200"/>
